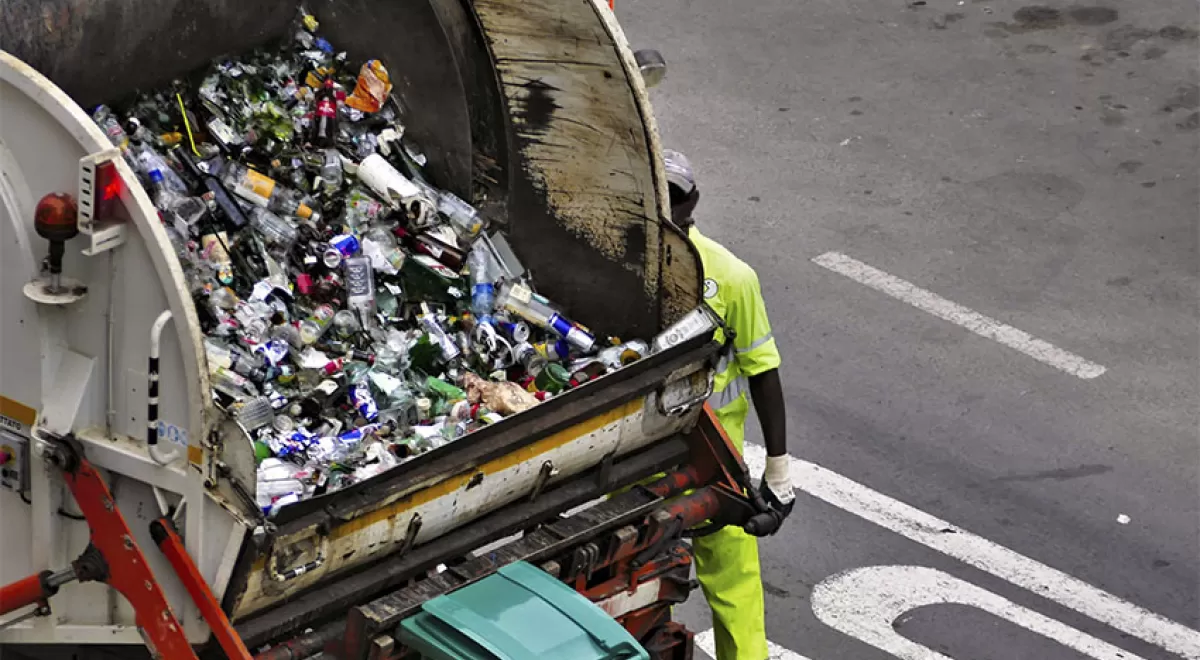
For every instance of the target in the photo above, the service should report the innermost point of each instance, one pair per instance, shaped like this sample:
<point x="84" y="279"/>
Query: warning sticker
<point x="16" y="416"/>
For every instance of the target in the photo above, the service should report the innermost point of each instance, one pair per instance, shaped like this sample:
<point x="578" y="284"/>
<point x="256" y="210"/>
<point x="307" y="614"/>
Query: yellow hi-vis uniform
<point x="727" y="561"/>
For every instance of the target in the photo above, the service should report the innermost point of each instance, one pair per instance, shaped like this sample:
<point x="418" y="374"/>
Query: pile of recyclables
<point x="355" y="315"/>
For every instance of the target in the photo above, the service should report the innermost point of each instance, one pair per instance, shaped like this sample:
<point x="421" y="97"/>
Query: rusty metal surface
<point x="585" y="201"/>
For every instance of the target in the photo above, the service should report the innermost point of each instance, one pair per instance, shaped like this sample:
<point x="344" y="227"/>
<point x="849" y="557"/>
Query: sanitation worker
<point x="727" y="561"/>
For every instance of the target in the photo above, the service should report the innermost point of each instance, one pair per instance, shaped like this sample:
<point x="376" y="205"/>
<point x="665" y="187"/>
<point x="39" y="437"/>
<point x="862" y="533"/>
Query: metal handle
<point x="681" y="408"/>
<point x="156" y="451"/>
<point x="297" y="571"/>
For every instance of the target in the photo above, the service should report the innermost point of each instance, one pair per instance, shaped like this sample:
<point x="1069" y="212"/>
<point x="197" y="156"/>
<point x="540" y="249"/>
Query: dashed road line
<point x="956" y="542"/>
<point x="984" y="326"/>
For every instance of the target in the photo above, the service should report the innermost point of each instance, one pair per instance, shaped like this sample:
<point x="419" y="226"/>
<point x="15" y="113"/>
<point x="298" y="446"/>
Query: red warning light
<point x="110" y="182"/>
<point x="110" y="188"/>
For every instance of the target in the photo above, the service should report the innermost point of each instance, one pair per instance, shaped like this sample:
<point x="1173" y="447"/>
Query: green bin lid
<point x="518" y="613"/>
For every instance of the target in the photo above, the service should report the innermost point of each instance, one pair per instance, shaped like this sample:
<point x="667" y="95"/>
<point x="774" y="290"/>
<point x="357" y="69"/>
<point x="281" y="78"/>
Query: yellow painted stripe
<point x="458" y="481"/>
<point x="18" y="411"/>
<point x="504" y="462"/>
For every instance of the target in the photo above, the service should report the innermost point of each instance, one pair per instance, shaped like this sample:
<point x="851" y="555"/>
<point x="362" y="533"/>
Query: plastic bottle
<point x="438" y="335"/>
<point x="262" y="190"/>
<point x="230" y="382"/>
<point x="519" y="299"/>
<point x="379" y="245"/>
<point x="313" y="327"/>
<point x="483" y="291"/>
<point x="276" y="479"/>
<point x="149" y="160"/>
<point x="233" y="357"/>
<point x="330" y="174"/>
<point x="324" y="129"/>
<point x="345" y="324"/>
<point x="107" y="121"/>
<point x="182" y="213"/>
<point x="223" y="203"/>
<point x="274" y="229"/>
<point x="464" y="219"/>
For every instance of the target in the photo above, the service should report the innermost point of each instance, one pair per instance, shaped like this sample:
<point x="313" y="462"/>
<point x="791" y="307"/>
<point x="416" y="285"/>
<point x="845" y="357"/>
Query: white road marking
<point x="984" y="326"/>
<point x="706" y="642"/>
<point x="956" y="542"/>
<point x="865" y="603"/>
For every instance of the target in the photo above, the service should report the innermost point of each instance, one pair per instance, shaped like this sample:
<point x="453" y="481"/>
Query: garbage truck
<point x="127" y="499"/>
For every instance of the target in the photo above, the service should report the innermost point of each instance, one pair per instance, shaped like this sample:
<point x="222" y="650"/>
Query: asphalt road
<point x="1037" y="165"/>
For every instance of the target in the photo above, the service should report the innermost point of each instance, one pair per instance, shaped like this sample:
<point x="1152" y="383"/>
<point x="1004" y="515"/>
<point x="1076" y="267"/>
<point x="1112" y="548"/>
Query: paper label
<point x="521" y="292"/>
<point x="256" y="187"/>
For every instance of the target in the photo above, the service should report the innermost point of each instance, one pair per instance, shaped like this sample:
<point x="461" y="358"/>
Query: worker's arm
<point x="766" y="392"/>
<point x="758" y="358"/>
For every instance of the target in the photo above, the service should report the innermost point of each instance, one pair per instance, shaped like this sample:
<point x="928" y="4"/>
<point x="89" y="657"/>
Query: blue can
<point x="273" y="351"/>
<point x="347" y="244"/>
<point x="364" y="402"/>
<point x="517" y="331"/>
<point x="354" y="436"/>
<point x="295" y="442"/>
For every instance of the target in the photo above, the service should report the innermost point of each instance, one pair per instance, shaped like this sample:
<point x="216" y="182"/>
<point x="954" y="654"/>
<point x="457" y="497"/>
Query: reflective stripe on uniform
<point x="757" y="342"/>
<point x="732" y="391"/>
<point x="723" y="363"/>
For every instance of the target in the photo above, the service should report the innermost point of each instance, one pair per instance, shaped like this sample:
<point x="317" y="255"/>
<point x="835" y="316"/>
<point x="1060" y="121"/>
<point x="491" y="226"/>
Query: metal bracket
<point x="548" y="470"/>
<point x="297" y="571"/>
<point x="604" y="473"/>
<point x="410" y="535"/>
<point x="102" y="236"/>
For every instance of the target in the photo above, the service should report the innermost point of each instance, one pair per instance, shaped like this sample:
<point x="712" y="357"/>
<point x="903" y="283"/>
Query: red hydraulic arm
<point x="163" y="532"/>
<point x="111" y="557"/>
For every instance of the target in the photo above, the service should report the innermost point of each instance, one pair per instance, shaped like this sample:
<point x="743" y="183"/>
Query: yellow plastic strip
<point x="187" y="125"/>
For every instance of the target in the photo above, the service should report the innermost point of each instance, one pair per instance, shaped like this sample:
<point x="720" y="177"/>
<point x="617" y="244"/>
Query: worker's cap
<point x="679" y="171"/>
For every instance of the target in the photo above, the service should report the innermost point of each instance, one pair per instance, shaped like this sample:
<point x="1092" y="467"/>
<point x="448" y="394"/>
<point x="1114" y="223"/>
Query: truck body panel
<point x="533" y="109"/>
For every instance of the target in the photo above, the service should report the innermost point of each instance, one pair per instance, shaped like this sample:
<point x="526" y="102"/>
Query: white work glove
<point x="776" y="487"/>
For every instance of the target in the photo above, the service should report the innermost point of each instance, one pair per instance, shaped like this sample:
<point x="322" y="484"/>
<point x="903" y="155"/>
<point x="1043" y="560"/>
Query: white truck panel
<point x="56" y="359"/>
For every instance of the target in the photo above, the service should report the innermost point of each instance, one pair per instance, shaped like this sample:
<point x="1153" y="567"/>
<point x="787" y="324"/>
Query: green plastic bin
<point x="519" y="613"/>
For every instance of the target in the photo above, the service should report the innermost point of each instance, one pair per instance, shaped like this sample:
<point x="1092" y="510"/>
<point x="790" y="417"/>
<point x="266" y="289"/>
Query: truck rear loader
<point x="536" y="110"/>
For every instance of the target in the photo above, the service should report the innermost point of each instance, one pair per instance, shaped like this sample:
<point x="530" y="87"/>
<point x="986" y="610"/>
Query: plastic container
<point x="516" y="614"/>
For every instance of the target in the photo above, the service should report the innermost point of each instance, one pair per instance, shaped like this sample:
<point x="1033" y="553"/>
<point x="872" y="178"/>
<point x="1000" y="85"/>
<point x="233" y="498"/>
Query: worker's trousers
<point x="728" y="570"/>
